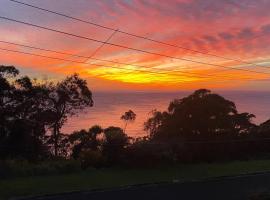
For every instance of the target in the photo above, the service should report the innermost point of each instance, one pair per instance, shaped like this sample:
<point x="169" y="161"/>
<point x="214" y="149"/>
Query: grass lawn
<point x="105" y="178"/>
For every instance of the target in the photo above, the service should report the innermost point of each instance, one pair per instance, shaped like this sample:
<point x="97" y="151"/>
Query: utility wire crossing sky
<point x="140" y="45"/>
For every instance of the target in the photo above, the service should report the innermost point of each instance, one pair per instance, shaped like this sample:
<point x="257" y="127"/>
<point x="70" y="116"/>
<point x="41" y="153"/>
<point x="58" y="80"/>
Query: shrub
<point x="91" y="158"/>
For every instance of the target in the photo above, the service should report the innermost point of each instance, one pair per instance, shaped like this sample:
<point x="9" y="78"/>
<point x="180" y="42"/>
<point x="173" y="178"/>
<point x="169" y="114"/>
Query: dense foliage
<point x="30" y="111"/>
<point x="203" y="126"/>
<point x="200" y="115"/>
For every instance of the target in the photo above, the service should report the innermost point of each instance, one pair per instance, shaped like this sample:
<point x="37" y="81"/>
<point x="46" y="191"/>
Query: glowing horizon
<point x="227" y="28"/>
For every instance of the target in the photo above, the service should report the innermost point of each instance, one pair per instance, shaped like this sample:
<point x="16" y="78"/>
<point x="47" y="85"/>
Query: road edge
<point x="136" y="186"/>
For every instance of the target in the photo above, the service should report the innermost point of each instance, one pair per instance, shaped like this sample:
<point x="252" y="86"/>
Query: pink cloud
<point x="205" y="25"/>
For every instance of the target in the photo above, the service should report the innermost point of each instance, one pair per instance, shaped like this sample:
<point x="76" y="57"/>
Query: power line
<point x="62" y="59"/>
<point x="103" y="60"/>
<point x="102" y="45"/>
<point x="99" y="48"/>
<point x="85" y="63"/>
<point x="126" y="47"/>
<point x="133" y="35"/>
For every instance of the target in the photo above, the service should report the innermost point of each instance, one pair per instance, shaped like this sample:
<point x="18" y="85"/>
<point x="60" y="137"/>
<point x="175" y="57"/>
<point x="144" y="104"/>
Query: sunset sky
<point x="231" y="29"/>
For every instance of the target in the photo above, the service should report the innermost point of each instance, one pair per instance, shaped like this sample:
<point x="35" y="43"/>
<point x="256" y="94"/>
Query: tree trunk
<point x="55" y="137"/>
<point x="125" y="127"/>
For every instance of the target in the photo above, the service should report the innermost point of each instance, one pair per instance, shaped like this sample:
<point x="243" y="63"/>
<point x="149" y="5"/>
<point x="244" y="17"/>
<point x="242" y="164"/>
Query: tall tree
<point x="127" y="117"/>
<point x="6" y="102"/>
<point x="22" y="124"/>
<point x="65" y="99"/>
<point x="6" y="90"/>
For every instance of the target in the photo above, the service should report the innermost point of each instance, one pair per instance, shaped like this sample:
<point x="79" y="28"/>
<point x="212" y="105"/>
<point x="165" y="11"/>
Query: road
<point x="233" y="188"/>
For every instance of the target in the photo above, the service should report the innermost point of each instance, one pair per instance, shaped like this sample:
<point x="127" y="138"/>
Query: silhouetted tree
<point x="114" y="143"/>
<point x="36" y="107"/>
<point x="201" y="115"/>
<point x="8" y="71"/>
<point x="65" y="99"/>
<point x="22" y="105"/>
<point x="78" y="139"/>
<point x="86" y="147"/>
<point x="154" y="123"/>
<point x="6" y="89"/>
<point x="6" y="96"/>
<point x="85" y="140"/>
<point x="94" y="132"/>
<point x="264" y="129"/>
<point x="129" y="116"/>
<point x="200" y="127"/>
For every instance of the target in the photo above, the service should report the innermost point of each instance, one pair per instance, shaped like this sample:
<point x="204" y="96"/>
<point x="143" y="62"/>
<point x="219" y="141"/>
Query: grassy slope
<point x="103" y="178"/>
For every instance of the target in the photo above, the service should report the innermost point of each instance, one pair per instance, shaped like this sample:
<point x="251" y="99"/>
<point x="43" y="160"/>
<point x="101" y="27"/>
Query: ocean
<point x="108" y="108"/>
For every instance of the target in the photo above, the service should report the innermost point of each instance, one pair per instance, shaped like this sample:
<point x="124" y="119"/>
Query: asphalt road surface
<point x="240" y="187"/>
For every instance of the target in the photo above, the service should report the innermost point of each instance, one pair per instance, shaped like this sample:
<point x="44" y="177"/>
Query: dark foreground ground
<point x="230" y="188"/>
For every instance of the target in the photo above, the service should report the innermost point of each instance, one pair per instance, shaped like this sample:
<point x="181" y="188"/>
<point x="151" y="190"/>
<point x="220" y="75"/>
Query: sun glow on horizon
<point x="244" y="42"/>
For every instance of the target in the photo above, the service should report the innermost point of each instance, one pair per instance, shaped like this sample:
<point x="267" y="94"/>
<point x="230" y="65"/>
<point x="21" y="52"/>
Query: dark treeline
<point x="203" y="127"/>
<point x="32" y="113"/>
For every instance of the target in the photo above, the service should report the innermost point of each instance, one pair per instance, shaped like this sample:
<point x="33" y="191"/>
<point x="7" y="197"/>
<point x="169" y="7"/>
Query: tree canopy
<point x="202" y="114"/>
<point x="29" y="110"/>
<point x="65" y="99"/>
<point x="203" y="126"/>
<point x="128" y="116"/>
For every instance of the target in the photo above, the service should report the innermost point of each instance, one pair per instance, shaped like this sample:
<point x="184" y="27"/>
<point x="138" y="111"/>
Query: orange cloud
<point x="202" y="25"/>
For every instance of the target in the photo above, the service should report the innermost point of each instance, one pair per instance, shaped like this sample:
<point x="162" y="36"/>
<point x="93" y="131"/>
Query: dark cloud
<point x="246" y="33"/>
<point x="202" y="9"/>
<point x="226" y="36"/>
<point x="265" y="28"/>
<point x="210" y="39"/>
<point x="198" y="43"/>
